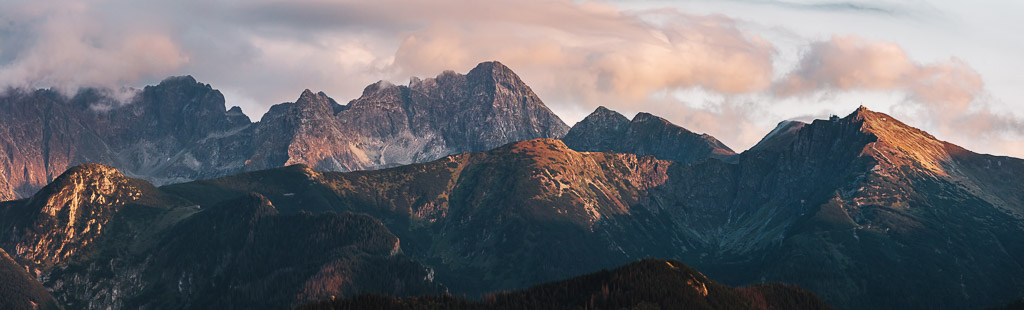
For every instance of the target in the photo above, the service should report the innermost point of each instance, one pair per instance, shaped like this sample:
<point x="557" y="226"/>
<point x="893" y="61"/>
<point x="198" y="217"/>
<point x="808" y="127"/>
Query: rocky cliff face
<point x="180" y="131"/>
<point x="397" y="125"/>
<point x="856" y="209"/>
<point x="173" y="132"/>
<point x="606" y="130"/>
<point x="69" y="215"/>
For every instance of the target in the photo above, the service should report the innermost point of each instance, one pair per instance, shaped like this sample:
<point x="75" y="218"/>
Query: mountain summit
<point x="180" y="130"/>
<point x="607" y="130"/>
<point x="862" y="210"/>
<point x="393" y="125"/>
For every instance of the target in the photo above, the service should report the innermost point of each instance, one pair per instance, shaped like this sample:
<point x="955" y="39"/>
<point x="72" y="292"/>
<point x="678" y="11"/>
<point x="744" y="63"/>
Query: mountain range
<point x="180" y="131"/>
<point x="468" y="184"/>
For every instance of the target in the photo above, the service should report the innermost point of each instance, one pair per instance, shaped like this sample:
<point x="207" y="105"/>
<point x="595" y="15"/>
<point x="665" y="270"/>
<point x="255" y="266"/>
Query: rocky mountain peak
<point x="184" y="90"/>
<point x="603" y="118"/>
<point x="899" y="144"/>
<point x="884" y="126"/>
<point x="180" y="130"/>
<point x="92" y="179"/>
<point x="236" y="117"/>
<point x="179" y="81"/>
<point x="73" y="209"/>
<point x="495" y="74"/>
<point x="314" y="105"/>
<point x="894" y="148"/>
<point x="318" y="98"/>
<point x="604" y="112"/>
<point x="646" y="134"/>
<point x="645" y="117"/>
<point x="493" y="69"/>
<point x="380" y="85"/>
<point x="782" y="135"/>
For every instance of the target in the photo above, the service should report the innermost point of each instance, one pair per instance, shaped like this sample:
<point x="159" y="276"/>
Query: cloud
<point x="624" y="65"/>
<point x="874" y="7"/>
<point x="575" y="55"/>
<point x="61" y="46"/>
<point x="947" y="96"/>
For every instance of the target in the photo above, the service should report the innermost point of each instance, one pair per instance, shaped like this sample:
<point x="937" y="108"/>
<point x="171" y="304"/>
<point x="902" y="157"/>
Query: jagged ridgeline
<point x="607" y="130"/>
<point x="646" y="284"/>
<point x="864" y="211"/>
<point x="180" y="130"/>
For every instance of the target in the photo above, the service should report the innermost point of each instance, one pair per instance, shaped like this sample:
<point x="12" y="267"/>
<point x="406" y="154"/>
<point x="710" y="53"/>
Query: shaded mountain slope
<point x="914" y="213"/>
<point x="101" y="240"/>
<point x="606" y="130"/>
<point x="860" y="210"/>
<point x="242" y="254"/>
<point x="646" y="284"/>
<point x="19" y="290"/>
<point x="864" y="211"/>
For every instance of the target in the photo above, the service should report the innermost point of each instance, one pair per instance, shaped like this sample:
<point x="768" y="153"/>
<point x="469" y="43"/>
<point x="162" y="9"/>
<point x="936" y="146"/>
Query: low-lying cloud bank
<point x="576" y="56"/>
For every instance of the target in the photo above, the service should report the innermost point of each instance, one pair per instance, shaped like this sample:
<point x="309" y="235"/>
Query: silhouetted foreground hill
<point x="646" y="284"/>
<point x="1016" y="305"/>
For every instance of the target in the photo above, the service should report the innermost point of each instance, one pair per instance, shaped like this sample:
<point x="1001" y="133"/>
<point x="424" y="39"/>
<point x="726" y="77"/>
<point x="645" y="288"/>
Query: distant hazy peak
<point x="645" y="134"/>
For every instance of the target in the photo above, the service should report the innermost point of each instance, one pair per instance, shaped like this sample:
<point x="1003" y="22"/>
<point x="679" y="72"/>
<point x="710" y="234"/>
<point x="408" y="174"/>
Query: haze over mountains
<point x="485" y="190"/>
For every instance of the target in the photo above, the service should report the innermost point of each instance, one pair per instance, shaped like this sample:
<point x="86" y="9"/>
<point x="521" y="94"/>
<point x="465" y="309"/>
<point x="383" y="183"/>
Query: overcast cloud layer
<point x="727" y="76"/>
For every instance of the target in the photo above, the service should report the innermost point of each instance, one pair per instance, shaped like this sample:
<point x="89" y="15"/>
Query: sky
<point x="729" y="68"/>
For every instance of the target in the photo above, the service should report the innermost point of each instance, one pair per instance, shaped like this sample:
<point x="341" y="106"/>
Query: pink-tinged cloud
<point x="947" y="96"/>
<point x="621" y="58"/>
<point x="854" y="63"/>
<point x="575" y="55"/>
<point x="69" y="49"/>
